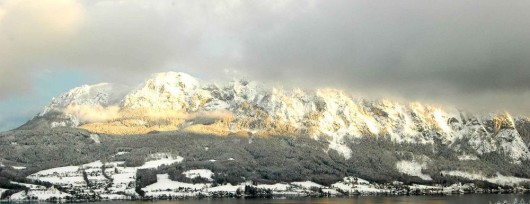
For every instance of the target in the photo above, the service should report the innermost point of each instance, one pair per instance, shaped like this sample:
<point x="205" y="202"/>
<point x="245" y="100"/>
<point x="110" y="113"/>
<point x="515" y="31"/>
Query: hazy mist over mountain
<point x="470" y="54"/>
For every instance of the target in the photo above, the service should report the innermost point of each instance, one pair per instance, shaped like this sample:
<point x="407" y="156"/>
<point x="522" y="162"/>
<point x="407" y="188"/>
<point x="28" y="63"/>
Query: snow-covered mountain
<point x="103" y="94"/>
<point x="178" y="101"/>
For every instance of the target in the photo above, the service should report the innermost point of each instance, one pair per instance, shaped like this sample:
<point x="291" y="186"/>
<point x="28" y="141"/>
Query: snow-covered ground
<point x="19" y="196"/>
<point x="412" y="168"/>
<point x="498" y="179"/>
<point x="357" y="188"/>
<point x="123" y="178"/>
<point x="58" y="170"/>
<point x="95" y="138"/>
<point x="204" y="173"/>
<point x="274" y="187"/>
<point x="357" y="185"/>
<point x="41" y="195"/>
<point x="359" y="180"/>
<point x="47" y="194"/>
<point x="424" y="187"/>
<point x="331" y="191"/>
<point x="123" y="181"/>
<point x="307" y="184"/>
<point x="72" y="175"/>
<point x="338" y="144"/>
<point x="466" y="157"/>
<point x="63" y="181"/>
<point x="157" y="163"/>
<point x="166" y="186"/>
<point x="19" y="167"/>
<point x="228" y="188"/>
<point x="121" y="153"/>
<point x="36" y="192"/>
<point x="114" y="197"/>
<point x="94" y="164"/>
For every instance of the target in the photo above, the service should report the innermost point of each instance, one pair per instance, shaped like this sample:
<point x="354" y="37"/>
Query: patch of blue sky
<point x="18" y="109"/>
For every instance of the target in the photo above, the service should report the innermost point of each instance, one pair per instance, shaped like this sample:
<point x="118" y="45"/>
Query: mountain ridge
<point x="178" y="101"/>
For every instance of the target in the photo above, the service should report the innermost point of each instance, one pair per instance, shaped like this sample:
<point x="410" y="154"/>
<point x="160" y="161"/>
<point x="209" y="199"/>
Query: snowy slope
<point x="498" y="179"/>
<point x="103" y="94"/>
<point x="3" y="190"/>
<point x="413" y="169"/>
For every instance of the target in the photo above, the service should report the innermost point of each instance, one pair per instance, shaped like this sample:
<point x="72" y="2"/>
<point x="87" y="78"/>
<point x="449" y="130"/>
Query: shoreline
<point x="272" y="196"/>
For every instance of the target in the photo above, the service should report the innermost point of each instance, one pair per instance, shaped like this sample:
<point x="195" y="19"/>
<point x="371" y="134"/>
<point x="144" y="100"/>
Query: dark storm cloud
<point x="465" y="47"/>
<point x="463" y="52"/>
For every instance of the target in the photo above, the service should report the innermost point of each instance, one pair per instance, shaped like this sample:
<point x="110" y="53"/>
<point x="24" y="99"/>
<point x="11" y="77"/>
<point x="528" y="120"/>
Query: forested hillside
<point x="235" y="159"/>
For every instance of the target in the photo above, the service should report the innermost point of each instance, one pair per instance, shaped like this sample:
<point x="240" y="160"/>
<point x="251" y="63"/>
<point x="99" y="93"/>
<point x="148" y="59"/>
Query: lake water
<point x="449" y="199"/>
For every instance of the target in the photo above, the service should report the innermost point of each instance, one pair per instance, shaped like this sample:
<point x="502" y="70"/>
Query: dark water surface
<point x="449" y="199"/>
<point x="452" y="199"/>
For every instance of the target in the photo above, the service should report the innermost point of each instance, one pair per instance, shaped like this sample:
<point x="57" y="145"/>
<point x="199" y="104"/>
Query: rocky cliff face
<point x="177" y="101"/>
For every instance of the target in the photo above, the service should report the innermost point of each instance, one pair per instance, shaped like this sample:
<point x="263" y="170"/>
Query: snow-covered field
<point x="356" y="185"/>
<point x="204" y="173"/>
<point x="58" y="170"/>
<point x="498" y="179"/>
<point x="166" y="186"/>
<point x="274" y="187"/>
<point x="39" y="195"/>
<point x="36" y="192"/>
<point x="228" y="188"/>
<point x="412" y="168"/>
<point x="164" y="161"/>
<point x="19" y="196"/>
<point x="73" y="174"/>
<point x="307" y="184"/>
<point x="19" y="167"/>
<point x="123" y="178"/>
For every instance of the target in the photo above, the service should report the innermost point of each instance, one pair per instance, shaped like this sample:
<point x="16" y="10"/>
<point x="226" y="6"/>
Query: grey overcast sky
<point x="473" y="54"/>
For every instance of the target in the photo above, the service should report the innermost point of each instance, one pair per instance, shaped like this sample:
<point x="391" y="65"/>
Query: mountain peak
<point x="101" y="94"/>
<point x="174" y="79"/>
<point x="163" y="91"/>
